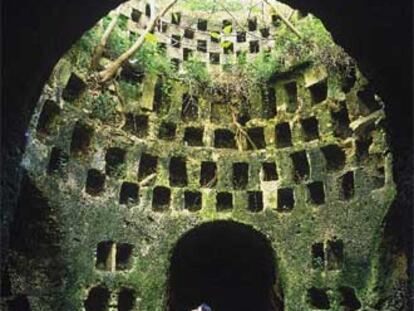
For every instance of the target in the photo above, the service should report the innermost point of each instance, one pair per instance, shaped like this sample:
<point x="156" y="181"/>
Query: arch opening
<point x="227" y="265"/>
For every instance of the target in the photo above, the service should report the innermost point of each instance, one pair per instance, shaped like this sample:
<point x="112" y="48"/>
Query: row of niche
<point x="100" y="298"/>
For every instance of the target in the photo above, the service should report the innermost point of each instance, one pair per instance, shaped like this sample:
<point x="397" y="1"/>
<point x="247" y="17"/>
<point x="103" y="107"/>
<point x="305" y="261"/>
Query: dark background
<point x="377" y="33"/>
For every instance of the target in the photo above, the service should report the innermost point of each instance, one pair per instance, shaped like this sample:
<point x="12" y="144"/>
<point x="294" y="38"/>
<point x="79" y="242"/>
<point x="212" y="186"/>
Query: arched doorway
<point x="228" y="265"/>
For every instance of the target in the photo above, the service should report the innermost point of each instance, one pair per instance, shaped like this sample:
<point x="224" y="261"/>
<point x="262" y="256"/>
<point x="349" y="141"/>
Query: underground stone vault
<point x="238" y="158"/>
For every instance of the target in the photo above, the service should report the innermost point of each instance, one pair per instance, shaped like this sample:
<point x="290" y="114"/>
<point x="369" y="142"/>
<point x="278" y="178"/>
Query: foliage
<point x="212" y="5"/>
<point x="81" y="52"/>
<point x="104" y="108"/>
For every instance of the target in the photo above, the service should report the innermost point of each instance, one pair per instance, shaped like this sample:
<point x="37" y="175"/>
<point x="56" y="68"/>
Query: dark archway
<point x="228" y="265"/>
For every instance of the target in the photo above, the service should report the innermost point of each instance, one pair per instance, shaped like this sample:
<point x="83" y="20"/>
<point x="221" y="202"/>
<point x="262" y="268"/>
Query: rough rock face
<point x="117" y="174"/>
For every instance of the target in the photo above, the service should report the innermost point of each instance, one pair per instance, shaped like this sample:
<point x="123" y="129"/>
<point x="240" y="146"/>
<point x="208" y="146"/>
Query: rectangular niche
<point x="81" y="138"/>
<point x="220" y="112"/>
<point x="148" y="10"/>
<point x="129" y="193"/>
<point x="189" y="110"/>
<point x="319" y="92"/>
<point x="285" y="199"/>
<point x="316" y="192"/>
<point x="160" y="102"/>
<point x="123" y="257"/>
<point x="188" y="33"/>
<point x="50" y="112"/>
<point x="208" y="174"/>
<point x="301" y="168"/>
<point x="269" y="171"/>
<point x="126" y="299"/>
<point x="147" y="166"/>
<point x="167" y="131"/>
<point x="334" y="254"/>
<point x="136" y="15"/>
<point x="341" y="122"/>
<point x="224" y="139"/>
<point x="162" y="26"/>
<point x="58" y="159"/>
<point x="193" y="136"/>
<point x="335" y="157"/>
<point x="176" y="18"/>
<point x="265" y="32"/>
<point x="176" y="41"/>
<point x="269" y="109"/>
<point x="283" y="135"/>
<point x="240" y="175"/>
<point x="224" y="201"/>
<point x="318" y="256"/>
<point x="228" y="47"/>
<point x="202" y="24"/>
<point x="74" y="88"/>
<point x="192" y="201"/>
<point x="214" y="58"/>
<point x="255" y="201"/>
<point x="347" y="184"/>
<point x="310" y="129"/>
<point x="378" y="179"/>
<point x="136" y="124"/>
<point x="114" y="159"/>
<point x="202" y="46"/>
<point x="95" y="182"/>
<point x="161" y="197"/>
<point x="215" y="36"/>
<point x="252" y="24"/>
<point x="362" y="145"/>
<point x="291" y="91"/>
<point x="241" y="36"/>
<point x="257" y="139"/>
<point x="105" y="252"/>
<point x="187" y="54"/>
<point x="254" y="46"/>
<point x="178" y="172"/>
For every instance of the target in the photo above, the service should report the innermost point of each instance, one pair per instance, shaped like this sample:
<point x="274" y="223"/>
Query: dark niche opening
<point x="316" y="192"/>
<point x="81" y="138"/>
<point x="285" y="199"/>
<point x="349" y="80"/>
<point x="187" y="53"/>
<point x="335" y="157"/>
<point x="132" y="73"/>
<point x="208" y="174"/>
<point x="214" y="58"/>
<point x="334" y="254"/>
<point x="148" y="10"/>
<point x="269" y="171"/>
<point x="318" y="298"/>
<point x="136" y="15"/>
<point x="254" y="46"/>
<point x="202" y="24"/>
<point x="202" y="46"/>
<point x="176" y="18"/>
<point x="347" y="186"/>
<point x="160" y="102"/>
<point x="188" y="33"/>
<point x="224" y="201"/>
<point x="114" y="158"/>
<point x="240" y="175"/>
<point x="19" y="303"/>
<point x="98" y="299"/>
<point x="367" y="101"/>
<point x="257" y="139"/>
<point x="319" y="92"/>
<point x="74" y="88"/>
<point x="104" y="251"/>
<point x="123" y="257"/>
<point x="341" y="122"/>
<point x="349" y="299"/>
<point x="47" y="117"/>
<point x="252" y="24"/>
<point x="126" y="299"/>
<point x="147" y="166"/>
<point x="224" y="139"/>
<point x="310" y="129"/>
<point x="291" y="90"/>
<point x="227" y="23"/>
<point x="178" y="172"/>
<point x="241" y="36"/>
<point x="269" y="102"/>
<point x="255" y="201"/>
<point x="215" y="36"/>
<point x="136" y="124"/>
<point x="176" y="41"/>
<point x="228" y="47"/>
<point x="161" y="197"/>
<point x="265" y="32"/>
<point x="318" y="256"/>
<point x="362" y="147"/>
<point x="167" y="131"/>
<point x="378" y="179"/>
<point x="192" y="201"/>
<point x="213" y="263"/>
<point x="189" y="109"/>
<point x="301" y="168"/>
<point x="283" y="135"/>
<point x="193" y="136"/>
<point x="95" y="182"/>
<point x="129" y="193"/>
<point x="58" y="160"/>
